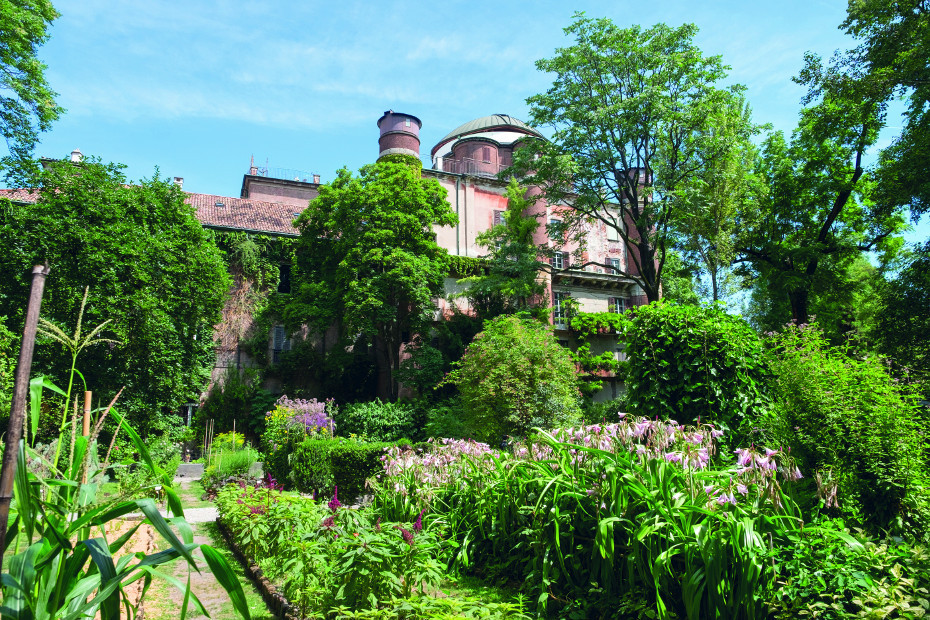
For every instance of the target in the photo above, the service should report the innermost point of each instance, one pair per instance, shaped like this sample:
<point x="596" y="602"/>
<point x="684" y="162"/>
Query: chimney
<point x="179" y="181"/>
<point x="76" y="156"/>
<point x="316" y="179"/>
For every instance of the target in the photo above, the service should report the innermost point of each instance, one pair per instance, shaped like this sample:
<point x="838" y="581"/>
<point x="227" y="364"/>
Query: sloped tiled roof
<point x="218" y="211"/>
<point x="244" y="213"/>
<point x="19" y="195"/>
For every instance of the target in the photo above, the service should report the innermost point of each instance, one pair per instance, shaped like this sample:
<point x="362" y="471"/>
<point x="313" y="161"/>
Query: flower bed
<point x="331" y="561"/>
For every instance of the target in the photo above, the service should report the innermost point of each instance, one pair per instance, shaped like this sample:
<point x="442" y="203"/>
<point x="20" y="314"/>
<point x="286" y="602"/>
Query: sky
<point x="198" y="88"/>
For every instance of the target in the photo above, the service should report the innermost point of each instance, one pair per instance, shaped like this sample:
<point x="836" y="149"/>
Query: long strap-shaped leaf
<point x="227" y="578"/>
<point x="100" y="554"/>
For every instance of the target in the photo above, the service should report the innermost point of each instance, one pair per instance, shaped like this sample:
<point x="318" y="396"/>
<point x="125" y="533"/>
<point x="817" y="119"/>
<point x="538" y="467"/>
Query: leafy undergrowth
<point x="333" y="562"/>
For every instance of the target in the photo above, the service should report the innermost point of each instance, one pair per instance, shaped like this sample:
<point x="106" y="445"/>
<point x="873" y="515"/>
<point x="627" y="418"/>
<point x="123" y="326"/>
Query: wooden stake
<point x="87" y="397"/>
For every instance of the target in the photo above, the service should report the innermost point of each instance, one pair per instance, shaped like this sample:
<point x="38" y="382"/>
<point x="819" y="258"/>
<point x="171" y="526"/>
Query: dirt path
<point x="163" y="601"/>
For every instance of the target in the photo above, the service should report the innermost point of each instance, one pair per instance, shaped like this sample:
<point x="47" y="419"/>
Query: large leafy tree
<point x="369" y="262"/>
<point x="895" y="50"/>
<point x="511" y="282"/>
<point x="820" y="208"/>
<point x="721" y="198"/>
<point x="630" y="110"/>
<point x="27" y="103"/>
<point x="152" y="270"/>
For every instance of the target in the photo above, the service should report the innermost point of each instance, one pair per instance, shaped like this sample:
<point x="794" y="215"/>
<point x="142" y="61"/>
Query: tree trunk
<point x="799" y="300"/>
<point x="385" y="387"/>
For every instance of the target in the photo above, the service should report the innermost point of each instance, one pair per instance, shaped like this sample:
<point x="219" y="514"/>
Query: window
<point x="284" y="279"/>
<point x="486" y="154"/>
<point x="559" y="260"/>
<point x="615" y="224"/>
<point x="558" y="309"/>
<point x="406" y="122"/>
<point x="620" y="353"/>
<point x="498" y="217"/>
<point x="616" y="305"/>
<point x="280" y="343"/>
<point x="614" y="264"/>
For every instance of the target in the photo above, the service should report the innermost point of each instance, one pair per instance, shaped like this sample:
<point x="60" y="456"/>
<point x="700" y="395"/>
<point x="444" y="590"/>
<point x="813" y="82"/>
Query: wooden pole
<point x="18" y="410"/>
<point x="87" y="397"/>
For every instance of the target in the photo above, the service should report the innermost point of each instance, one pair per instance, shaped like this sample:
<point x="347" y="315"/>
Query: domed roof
<point x="487" y="122"/>
<point x="497" y="126"/>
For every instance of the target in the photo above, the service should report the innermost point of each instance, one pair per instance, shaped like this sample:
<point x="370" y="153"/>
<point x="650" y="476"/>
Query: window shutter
<point x="498" y="218"/>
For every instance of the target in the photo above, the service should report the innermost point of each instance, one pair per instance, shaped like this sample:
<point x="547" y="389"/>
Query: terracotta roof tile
<point x="19" y="195"/>
<point x="218" y="211"/>
<point x="244" y="214"/>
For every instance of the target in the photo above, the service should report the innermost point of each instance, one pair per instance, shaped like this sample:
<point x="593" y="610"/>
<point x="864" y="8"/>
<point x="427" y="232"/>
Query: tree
<point x="903" y="321"/>
<point x="369" y="262"/>
<point x="690" y="362"/>
<point x="629" y="109"/>
<point x="722" y="197"/>
<point x="152" y="269"/>
<point x="27" y="103"/>
<point x="819" y="209"/>
<point x="511" y="283"/>
<point x="895" y="51"/>
<point x="515" y="376"/>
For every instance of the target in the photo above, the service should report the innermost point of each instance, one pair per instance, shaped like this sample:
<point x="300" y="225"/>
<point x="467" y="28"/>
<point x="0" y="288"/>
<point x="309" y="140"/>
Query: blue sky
<point x="197" y="88"/>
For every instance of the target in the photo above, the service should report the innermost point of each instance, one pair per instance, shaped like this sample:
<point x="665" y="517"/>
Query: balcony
<point x="592" y="279"/>
<point x="472" y="167"/>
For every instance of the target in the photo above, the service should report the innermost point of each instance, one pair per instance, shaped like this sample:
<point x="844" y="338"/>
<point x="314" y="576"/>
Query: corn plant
<point x="63" y="566"/>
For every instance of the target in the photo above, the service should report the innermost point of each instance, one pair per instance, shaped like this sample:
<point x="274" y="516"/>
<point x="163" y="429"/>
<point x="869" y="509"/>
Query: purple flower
<point x="378" y="525"/>
<point x="257" y="510"/>
<point x="329" y="521"/>
<point x="334" y="503"/>
<point x="418" y="524"/>
<point x="408" y="536"/>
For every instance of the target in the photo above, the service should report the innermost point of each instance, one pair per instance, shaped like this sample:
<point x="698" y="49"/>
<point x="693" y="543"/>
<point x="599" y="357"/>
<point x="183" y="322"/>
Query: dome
<point x="496" y="124"/>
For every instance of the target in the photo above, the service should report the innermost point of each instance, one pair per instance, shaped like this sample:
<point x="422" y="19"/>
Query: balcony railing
<point x="465" y="165"/>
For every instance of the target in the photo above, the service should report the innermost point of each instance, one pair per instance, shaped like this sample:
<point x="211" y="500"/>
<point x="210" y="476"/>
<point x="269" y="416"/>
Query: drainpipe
<point x="465" y="208"/>
<point x="458" y="222"/>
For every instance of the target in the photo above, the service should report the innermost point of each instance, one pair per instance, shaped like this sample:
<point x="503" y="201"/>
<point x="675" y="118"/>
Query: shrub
<point x="690" y="362"/>
<point x="849" y="421"/>
<point x="226" y="466"/>
<point x="447" y="419"/>
<point x="320" y="465"/>
<point x="378" y="421"/>
<point x="515" y="376"/>
<point x="230" y="402"/>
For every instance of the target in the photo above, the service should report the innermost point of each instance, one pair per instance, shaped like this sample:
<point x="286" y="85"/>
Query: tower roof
<point x="494" y="122"/>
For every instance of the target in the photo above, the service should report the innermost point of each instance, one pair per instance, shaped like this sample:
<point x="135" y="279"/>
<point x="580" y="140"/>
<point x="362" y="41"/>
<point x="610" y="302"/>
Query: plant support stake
<point x="18" y="410"/>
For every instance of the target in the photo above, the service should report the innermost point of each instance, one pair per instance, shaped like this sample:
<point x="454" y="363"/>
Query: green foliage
<point x="407" y="160"/>
<point x="823" y="577"/>
<point x="8" y="358"/>
<point x="903" y="326"/>
<point x="447" y="419"/>
<point x="847" y="420"/>
<point x="680" y="280"/>
<point x="152" y="269"/>
<point x="231" y="402"/>
<point x="631" y="110"/>
<point x="333" y="562"/>
<point x="588" y="329"/>
<point x="378" y="421"/>
<point x="690" y="362"/>
<point x="320" y="465"/>
<point x="511" y="283"/>
<point x="226" y="465"/>
<point x="464" y="266"/>
<point x="27" y="102"/>
<point x="369" y="261"/>
<point x="67" y="570"/>
<point x="819" y="212"/>
<point x="894" y="52"/>
<point x="515" y="376"/>
<point x="424" y="369"/>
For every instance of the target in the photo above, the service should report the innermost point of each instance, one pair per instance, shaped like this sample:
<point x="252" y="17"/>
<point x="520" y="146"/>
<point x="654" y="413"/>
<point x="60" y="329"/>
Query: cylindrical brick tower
<point x="400" y="134"/>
